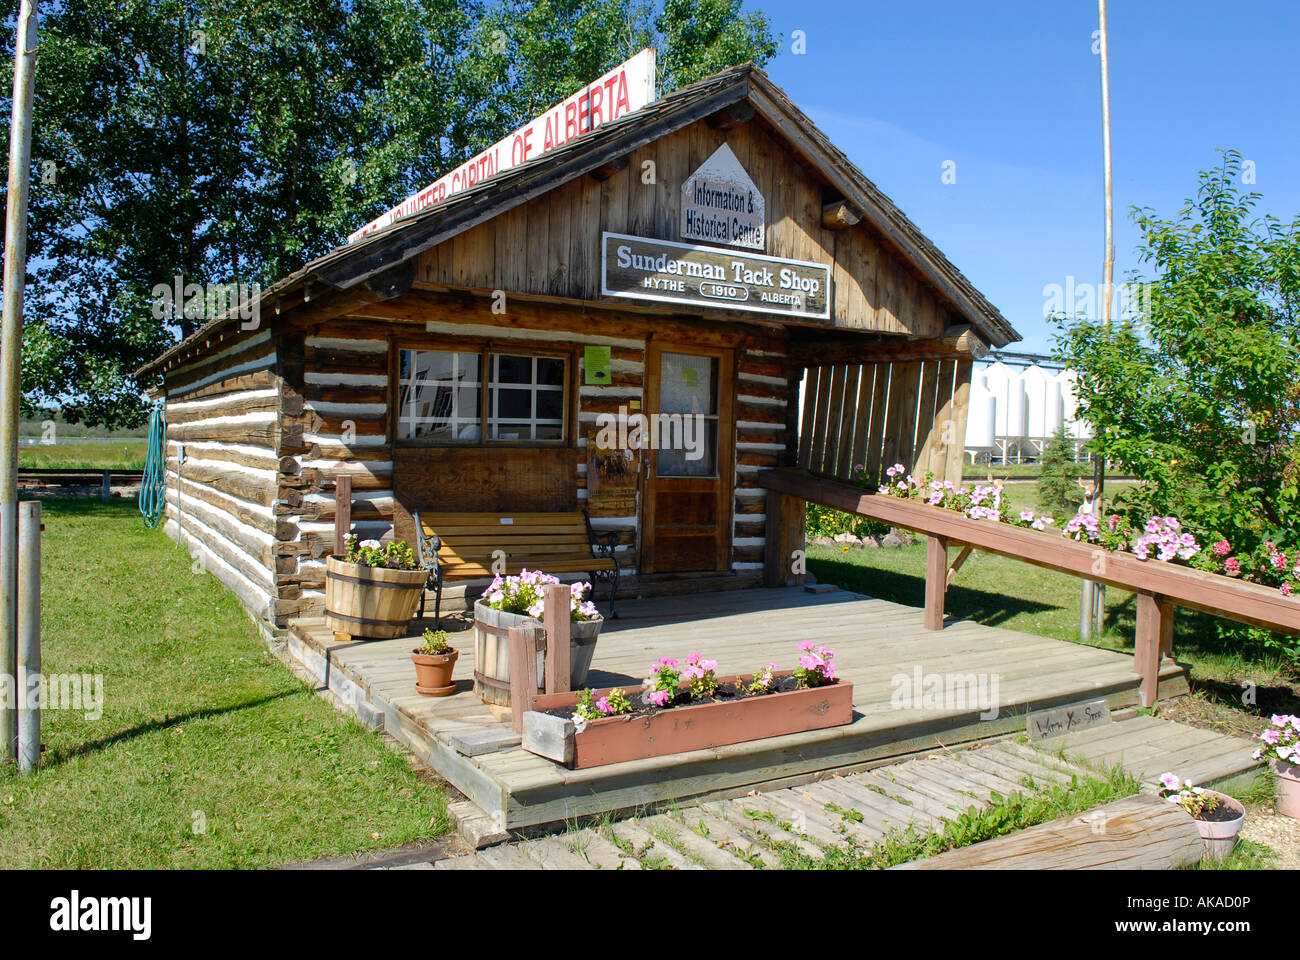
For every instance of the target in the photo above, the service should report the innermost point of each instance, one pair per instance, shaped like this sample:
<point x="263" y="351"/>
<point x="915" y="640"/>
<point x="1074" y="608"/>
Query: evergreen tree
<point x="1058" y="489"/>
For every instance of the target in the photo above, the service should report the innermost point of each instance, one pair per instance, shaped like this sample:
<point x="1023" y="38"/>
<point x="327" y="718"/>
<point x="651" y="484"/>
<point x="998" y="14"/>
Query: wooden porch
<point x="876" y="642"/>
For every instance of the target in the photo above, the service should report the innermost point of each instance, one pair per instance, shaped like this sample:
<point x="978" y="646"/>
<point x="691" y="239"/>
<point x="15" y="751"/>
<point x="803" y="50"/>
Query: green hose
<point x="153" y="487"/>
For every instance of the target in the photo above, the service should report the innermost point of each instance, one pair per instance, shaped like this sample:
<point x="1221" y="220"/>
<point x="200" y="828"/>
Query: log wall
<point x="222" y="501"/>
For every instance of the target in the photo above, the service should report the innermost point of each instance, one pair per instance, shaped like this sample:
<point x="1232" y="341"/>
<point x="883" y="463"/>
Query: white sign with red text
<point x="628" y="87"/>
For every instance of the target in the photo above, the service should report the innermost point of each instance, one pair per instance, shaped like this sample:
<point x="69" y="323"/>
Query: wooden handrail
<point x="1160" y="586"/>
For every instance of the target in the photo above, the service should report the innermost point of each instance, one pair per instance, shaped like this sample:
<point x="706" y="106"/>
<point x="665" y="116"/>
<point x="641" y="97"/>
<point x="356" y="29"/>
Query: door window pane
<point x="438" y="395"/>
<point x="688" y="420"/>
<point x="686" y="383"/>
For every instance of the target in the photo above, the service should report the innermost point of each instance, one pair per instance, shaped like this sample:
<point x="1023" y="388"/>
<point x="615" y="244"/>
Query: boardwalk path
<point x="861" y="809"/>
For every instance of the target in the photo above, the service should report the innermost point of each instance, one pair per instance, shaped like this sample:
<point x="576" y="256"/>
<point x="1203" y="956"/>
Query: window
<point x="527" y="398"/>
<point x="443" y="396"/>
<point x="440" y="393"/>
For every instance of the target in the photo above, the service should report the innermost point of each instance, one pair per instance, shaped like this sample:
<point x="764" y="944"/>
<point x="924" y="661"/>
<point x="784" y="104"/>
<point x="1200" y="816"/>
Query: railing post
<point x="342" y="513"/>
<point x="786" y="522"/>
<point x="558" y="632"/>
<point x="1155" y="637"/>
<point x="523" y="673"/>
<point x="936" y="580"/>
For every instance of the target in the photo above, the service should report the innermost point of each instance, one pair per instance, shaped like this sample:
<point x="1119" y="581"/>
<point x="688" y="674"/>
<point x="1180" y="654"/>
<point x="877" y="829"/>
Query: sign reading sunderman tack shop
<point x="647" y="269"/>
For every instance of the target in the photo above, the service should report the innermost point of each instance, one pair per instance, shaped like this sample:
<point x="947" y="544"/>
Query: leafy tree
<point x="1200" y="398"/>
<point x="1058" y="490"/>
<point x="233" y="140"/>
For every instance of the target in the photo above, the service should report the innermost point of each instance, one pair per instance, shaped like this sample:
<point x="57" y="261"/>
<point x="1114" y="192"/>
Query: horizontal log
<point x="246" y="485"/>
<point x="255" y="433"/>
<point x="839" y="215"/>
<point x="226" y="405"/>
<point x="1210" y="593"/>
<point x="239" y="383"/>
<point x="960" y="343"/>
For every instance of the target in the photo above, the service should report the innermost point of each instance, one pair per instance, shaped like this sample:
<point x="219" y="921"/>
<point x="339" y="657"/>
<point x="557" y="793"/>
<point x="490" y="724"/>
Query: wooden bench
<point x="464" y="546"/>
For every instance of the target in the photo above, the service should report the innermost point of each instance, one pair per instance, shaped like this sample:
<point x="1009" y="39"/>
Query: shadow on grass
<point x="964" y="603"/>
<point x="54" y="758"/>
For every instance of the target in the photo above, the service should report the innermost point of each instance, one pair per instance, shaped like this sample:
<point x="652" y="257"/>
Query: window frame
<point x="485" y="350"/>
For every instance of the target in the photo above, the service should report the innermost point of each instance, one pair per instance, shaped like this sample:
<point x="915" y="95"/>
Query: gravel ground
<point x="1280" y="834"/>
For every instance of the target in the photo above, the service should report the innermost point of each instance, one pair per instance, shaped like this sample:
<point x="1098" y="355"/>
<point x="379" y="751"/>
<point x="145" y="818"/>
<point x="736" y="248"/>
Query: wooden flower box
<point x="680" y="729"/>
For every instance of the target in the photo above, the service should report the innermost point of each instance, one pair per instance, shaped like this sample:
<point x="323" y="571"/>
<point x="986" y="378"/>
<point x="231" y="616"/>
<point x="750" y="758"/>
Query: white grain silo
<point x="1040" y="385"/>
<point x="996" y="377"/>
<point x="1017" y="408"/>
<point x="980" y="418"/>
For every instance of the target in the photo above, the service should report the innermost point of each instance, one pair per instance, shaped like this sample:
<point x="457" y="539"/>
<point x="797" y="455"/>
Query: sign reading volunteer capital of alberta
<point x="645" y="269"/>
<point x="720" y="204"/>
<point x="628" y="87"/>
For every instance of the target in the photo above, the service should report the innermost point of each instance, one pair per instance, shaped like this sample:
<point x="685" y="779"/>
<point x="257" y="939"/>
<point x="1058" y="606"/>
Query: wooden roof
<point x="363" y="261"/>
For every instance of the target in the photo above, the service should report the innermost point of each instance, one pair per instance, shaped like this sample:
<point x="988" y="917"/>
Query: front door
<point x="687" y="515"/>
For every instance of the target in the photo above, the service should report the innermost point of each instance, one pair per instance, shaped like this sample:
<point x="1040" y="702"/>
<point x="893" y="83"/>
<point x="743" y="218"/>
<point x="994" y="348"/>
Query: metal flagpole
<point x="1108" y="272"/>
<point x="1092" y="601"/>
<point x="11" y="344"/>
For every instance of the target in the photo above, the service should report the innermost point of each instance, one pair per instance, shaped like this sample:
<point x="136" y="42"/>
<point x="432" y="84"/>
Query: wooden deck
<point x="877" y="642"/>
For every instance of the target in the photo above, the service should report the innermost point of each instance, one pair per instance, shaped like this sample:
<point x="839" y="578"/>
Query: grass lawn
<point x="209" y="753"/>
<point x="124" y="454"/>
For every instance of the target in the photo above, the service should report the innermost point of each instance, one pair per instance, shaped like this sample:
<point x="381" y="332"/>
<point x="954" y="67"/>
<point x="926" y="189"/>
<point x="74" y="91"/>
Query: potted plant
<point x="512" y="602"/>
<point x="684" y="706"/>
<point x="434" y="660"/>
<point x="1218" y="816"/>
<point x="373" y="590"/>
<point x="1280" y="745"/>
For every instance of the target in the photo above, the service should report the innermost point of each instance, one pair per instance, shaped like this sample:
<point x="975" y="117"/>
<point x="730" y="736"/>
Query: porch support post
<point x="523" y="673"/>
<point x="936" y="580"/>
<point x="784" y="558"/>
<point x="558" y="632"/>
<point x="1154" y="640"/>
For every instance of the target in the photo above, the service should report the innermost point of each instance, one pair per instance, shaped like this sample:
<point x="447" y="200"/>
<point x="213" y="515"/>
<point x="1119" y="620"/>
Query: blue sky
<point x="1009" y="91"/>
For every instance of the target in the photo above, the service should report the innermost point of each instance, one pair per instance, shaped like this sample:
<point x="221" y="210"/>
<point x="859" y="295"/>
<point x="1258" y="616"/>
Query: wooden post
<point x="1155" y="632"/>
<point x="29" y="630"/>
<point x="785" y="535"/>
<point x="523" y="673"/>
<point x="936" y="580"/>
<point x="342" y="513"/>
<point x="558" y="631"/>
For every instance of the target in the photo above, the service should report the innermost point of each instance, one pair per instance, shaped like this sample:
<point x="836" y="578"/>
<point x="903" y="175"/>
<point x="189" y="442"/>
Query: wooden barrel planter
<point x="373" y="602"/>
<point x="492" y="652"/>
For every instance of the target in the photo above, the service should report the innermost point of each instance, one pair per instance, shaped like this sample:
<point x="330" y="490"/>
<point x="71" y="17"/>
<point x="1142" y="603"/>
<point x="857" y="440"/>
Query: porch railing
<point x="1160" y="587"/>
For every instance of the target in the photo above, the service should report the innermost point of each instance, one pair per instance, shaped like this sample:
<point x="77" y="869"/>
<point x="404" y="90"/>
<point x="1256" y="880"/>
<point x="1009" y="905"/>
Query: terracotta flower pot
<point x="433" y="672"/>
<point x="1220" y="836"/>
<point x="1288" y="788"/>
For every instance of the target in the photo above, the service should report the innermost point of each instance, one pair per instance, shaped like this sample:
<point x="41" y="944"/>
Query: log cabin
<point x="708" y="268"/>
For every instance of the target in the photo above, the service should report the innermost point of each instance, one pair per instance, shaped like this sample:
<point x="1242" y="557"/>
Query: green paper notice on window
<point x="595" y="365"/>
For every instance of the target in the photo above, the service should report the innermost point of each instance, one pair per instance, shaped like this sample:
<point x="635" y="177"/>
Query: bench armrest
<point x="426" y="547"/>
<point x="602" y="544"/>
